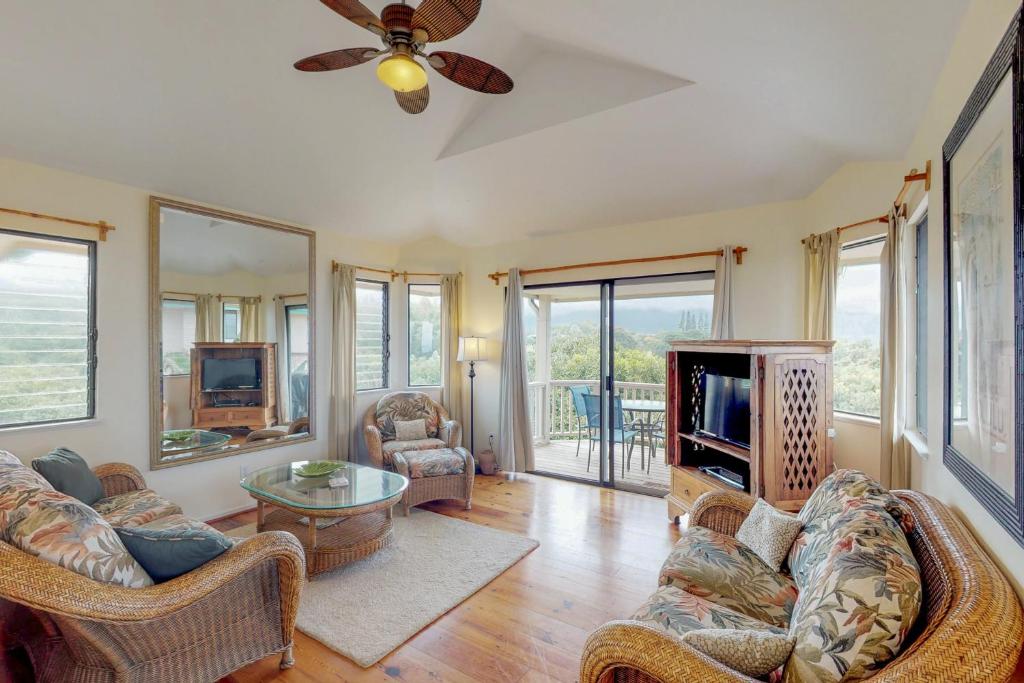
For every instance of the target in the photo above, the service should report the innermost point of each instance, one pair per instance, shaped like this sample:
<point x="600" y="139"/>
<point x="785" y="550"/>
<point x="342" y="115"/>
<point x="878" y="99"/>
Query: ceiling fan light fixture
<point x="402" y="73"/>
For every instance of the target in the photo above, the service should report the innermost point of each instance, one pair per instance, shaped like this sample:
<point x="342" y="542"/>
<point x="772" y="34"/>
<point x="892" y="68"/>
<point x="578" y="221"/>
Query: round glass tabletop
<point x="366" y="485"/>
<point x="185" y="440"/>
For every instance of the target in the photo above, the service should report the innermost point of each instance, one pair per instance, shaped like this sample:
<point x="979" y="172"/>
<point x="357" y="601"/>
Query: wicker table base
<point x="352" y="538"/>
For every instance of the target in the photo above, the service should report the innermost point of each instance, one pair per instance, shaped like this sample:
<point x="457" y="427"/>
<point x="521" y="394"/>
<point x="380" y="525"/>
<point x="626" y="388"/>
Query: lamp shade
<point x="472" y="348"/>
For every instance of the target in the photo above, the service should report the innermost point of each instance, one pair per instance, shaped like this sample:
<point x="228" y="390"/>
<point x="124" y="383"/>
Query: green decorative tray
<point x="318" y="468"/>
<point x="179" y="435"/>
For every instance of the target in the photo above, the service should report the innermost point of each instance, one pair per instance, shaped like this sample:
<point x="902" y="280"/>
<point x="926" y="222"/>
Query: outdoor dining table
<point x="648" y="412"/>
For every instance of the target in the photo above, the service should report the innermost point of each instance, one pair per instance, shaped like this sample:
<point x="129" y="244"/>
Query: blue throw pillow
<point x="70" y="474"/>
<point x="168" y="553"/>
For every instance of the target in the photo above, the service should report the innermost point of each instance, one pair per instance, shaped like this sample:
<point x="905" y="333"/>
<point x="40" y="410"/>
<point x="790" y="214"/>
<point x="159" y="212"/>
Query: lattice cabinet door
<point x="797" y="427"/>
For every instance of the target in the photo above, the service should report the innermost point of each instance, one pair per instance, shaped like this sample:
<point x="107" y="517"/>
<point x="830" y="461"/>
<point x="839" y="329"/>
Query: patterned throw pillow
<point x="754" y="653"/>
<point x="769" y="533"/>
<point x="410" y="430"/>
<point x="67" y="532"/>
<point x="406" y="405"/>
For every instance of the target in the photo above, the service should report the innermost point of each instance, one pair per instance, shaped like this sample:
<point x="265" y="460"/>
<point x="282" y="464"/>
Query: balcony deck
<point x="559" y="457"/>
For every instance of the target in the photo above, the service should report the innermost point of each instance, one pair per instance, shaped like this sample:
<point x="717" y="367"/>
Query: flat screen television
<point x="726" y="413"/>
<point x="226" y="374"/>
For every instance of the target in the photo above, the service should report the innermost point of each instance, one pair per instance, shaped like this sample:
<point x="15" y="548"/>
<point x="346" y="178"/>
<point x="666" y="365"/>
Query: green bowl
<point x="179" y="435"/>
<point x="318" y="468"/>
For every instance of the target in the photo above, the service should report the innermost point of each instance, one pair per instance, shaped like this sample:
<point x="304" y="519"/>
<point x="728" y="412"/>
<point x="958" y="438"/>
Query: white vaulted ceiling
<point x="623" y="112"/>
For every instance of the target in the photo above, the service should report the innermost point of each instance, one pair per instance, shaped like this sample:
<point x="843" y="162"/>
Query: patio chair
<point x="621" y="434"/>
<point x="580" y="406"/>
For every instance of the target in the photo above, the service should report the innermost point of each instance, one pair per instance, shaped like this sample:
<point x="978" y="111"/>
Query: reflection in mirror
<point x="233" y="334"/>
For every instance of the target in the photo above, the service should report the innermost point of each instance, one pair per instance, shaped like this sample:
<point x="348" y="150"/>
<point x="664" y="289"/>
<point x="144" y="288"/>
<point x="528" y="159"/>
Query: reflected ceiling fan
<point x="405" y="33"/>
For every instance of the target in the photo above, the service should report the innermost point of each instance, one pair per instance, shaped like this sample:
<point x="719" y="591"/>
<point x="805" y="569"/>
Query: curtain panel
<point x="251" y="312"/>
<point x="721" y="312"/>
<point x="515" y="438"/>
<point x="451" y="329"/>
<point x="208" y="321"/>
<point x="821" y="275"/>
<point x="342" y="419"/>
<point x="895" y="452"/>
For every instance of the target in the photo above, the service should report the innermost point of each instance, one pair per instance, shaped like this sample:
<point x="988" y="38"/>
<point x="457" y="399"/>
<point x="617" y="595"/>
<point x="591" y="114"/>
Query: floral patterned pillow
<point x="18" y="484"/>
<point x="406" y="406"/>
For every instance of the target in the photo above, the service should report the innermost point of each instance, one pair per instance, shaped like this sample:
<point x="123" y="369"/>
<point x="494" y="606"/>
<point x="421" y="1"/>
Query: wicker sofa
<point x="440" y="469"/>
<point x="969" y="628"/>
<point x="201" y="626"/>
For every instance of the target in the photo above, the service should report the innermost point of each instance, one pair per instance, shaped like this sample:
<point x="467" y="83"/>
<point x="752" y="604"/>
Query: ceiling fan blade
<point x="471" y="73"/>
<point x="414" y="102"/>
<point x="337" y="59"/>
<point x="444" y="19"/>
<point x="357" y="13"/>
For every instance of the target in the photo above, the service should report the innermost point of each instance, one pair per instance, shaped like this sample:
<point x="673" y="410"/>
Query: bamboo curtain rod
<point x="219" y="296"/>
<point x="908" y="180"/>
<point x="102" y="226"/>
<point x="393" y="274"/>
<point x="737" y="252"/>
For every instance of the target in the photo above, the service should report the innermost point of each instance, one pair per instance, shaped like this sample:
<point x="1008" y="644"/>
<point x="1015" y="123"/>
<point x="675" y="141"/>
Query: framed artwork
<point x="984" y="297"/>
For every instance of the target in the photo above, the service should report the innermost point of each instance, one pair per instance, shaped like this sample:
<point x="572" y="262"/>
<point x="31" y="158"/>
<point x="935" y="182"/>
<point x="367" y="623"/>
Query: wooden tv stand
<point x="791" y="435"/>
<point x="263" y="411"/>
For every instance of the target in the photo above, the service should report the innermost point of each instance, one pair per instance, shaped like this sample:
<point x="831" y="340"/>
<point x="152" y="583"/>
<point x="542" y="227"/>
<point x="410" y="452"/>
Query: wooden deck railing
<point x="553" y="415"/>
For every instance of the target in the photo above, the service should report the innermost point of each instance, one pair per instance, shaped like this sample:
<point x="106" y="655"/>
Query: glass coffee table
<point x="336" y="525"/>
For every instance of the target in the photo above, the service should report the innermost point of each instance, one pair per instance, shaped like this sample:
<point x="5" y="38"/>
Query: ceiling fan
<point x="405" y="33"/>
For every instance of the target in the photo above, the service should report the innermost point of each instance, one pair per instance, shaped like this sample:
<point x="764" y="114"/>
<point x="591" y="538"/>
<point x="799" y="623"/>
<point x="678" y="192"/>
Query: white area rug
<point x="370" y="607"/>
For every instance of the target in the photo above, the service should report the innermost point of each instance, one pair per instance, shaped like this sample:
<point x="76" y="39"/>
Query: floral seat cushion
<point x="720" y="569"/>
<point x="391" y="447"/>
<point x="18" y="484"/>
<point x="434" y="463"/>
<point x="672" y="610"/>
<point x="135" y="508"/>
<point x="67" y="532"/>
<point x="406" y="406"/>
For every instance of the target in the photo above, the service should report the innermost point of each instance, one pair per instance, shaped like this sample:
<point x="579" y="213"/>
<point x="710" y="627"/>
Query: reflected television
<point x="227" y="374"/>
<point x="726" y="415"/>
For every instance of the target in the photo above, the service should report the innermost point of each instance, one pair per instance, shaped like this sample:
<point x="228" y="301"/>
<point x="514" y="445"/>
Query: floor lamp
<point x="471" y="349"/>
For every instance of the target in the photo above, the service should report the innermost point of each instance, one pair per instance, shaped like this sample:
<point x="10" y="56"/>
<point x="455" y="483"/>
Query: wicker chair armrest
<point x="450" y="432"/>
<point x="374" y="445"/>
<point x="118" y="478"/>
<point x="721" y="511"/>
<point x="41" y="585"/>
<point x="633" y="645"/>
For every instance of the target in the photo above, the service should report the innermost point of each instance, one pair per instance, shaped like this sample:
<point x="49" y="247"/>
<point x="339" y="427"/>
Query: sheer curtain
<point x="208" y="322"/>
<point x="451" y="328"/>
<point x="821" y="273"/>
<point x="895" y="461"/>
<point x="343" y="437"/>
<point x="721" y="313"/>
<point x="515" y="439"/>
<point x="251" y="311"/>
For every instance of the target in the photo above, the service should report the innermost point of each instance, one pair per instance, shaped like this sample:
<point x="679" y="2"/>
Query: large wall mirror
<point x="232" y="329"/>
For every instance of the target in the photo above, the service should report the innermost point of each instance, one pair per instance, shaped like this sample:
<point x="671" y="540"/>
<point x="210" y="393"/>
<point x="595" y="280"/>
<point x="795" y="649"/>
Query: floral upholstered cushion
<point x="723" y="570"/>
<point x="754" y="653"/>
<point x="67" y="532"/>
<point x="674" y="611"/>
<point x="434" y="463"/>
<point x="406" y="406"/>
<point x="18" y="484"/>
<point x="842" y="491"/>
<point x="391" y="447"/>
<point x="8" y="458"/>
<point x="858" y="601"/>
<point x="135" y="508"/>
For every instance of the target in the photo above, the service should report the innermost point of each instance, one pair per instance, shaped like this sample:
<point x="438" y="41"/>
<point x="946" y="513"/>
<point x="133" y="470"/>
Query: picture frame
<point x="983" y="249"/>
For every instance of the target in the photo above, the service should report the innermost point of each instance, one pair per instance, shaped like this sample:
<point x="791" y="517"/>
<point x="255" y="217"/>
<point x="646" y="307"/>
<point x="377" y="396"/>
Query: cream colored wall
<point x="983" y="26"/>
<point x="120" y="431"/>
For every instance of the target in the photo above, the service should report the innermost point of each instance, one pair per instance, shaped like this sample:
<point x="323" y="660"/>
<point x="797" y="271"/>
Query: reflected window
<point x="232" y="319"/>
<point x="178" y="336"/>
<point x="297" y="323"/>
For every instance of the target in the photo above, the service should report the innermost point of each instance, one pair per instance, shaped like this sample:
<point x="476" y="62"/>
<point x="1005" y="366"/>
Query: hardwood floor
<point x="598" y="559"/>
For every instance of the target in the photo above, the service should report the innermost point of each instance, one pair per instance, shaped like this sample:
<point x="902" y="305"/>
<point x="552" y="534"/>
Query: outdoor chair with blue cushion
<point x="622" y="434"/>
<point x="580" y="406"/>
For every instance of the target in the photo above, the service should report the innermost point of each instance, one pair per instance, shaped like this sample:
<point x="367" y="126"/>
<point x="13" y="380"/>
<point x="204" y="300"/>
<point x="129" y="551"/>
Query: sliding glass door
<point x="596" y="370"/>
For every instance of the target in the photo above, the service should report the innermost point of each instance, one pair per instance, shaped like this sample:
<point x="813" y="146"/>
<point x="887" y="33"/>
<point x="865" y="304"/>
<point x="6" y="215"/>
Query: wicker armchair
<point x="236" y="609"/>
<point x="969" y="631"/>
<point x="385" y="455"/>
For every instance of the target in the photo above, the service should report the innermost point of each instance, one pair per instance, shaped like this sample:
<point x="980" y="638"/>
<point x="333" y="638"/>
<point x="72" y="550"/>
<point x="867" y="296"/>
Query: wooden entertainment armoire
<point x="254" y="408"/>
<point x="791" y="433"/>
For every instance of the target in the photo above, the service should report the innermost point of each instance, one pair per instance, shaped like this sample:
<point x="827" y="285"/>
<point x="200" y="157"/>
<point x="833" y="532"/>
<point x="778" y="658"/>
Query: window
<point x="921" y="325"/>
<point x="232" y="318"/>
<point x="47" y="329"/>
<point x="372" y="336"/>
<point x="857" y="329"/>
<point x="424" y="335"/>
<point x="179" y="334"/>
<point x="296" y="319"/>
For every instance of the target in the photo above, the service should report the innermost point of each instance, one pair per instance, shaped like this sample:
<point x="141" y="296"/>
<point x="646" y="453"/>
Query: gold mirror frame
<point x="156" y="462"/>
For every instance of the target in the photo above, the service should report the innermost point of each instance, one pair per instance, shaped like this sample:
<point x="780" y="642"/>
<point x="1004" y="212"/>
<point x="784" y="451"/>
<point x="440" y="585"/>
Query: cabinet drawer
<point x="688" y="486"/>
<point x="246" y="414"/>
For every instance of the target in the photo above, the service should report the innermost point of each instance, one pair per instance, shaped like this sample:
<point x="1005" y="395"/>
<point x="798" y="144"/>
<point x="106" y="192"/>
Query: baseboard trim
<point x="231" y="513"/>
